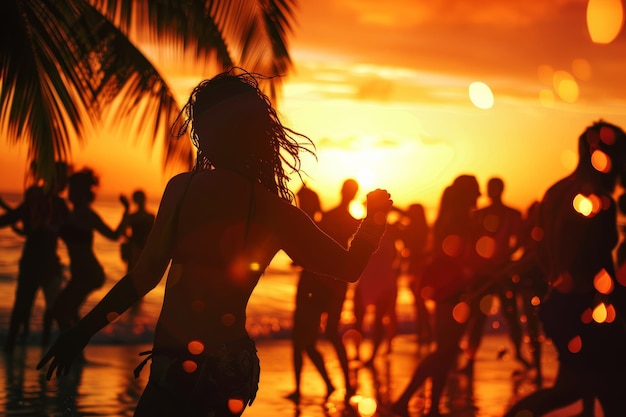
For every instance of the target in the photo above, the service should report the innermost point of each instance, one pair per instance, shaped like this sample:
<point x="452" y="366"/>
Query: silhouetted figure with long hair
<point x="447" y="278"/>
<point x="415" y="236"/>
<point x="220" y="226"/>
<point x="498" y="227"/>
<point x="41" y="213"/>
<point x="136" y="228"/>
<point x="319" y="295"/>
<point x="378" y="288"/>
<point x="86" y="272"/>
<point x="583" y="310"/>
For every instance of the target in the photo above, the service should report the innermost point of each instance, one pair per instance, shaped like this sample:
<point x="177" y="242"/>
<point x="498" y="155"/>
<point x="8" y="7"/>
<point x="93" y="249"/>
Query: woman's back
<point x="222" y="245"/>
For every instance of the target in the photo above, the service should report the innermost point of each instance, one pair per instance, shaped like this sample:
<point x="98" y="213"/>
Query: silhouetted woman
<point x="86" y="272"/>
<point x="220" y="226"/>
<point x="41" y="214"/>
<point x="447" y="278"/>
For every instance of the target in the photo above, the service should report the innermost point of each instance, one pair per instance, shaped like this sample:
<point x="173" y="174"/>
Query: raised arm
<point x="313" y="249"/>
<point x="104" y="229"/>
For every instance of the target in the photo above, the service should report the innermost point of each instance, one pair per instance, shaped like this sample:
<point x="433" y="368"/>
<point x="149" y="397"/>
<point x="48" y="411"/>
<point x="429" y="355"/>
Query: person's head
<point x="495" y="187"/>
<point x="309" y="201"/>
<point x="139" y="197"/>
<point x="349" y="188"/>
<point x="464" y="192"/>
<point x="234" y="126"/>
<point x="602" y="152"/>
<point x="81" y="185"/>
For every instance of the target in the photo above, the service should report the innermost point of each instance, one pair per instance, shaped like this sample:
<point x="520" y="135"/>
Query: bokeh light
<point x="486" y="247"/>
<point x="599" y="313"/>
<point x="603" y="282"/>
<point x="605" y="19"/>
<point x="481" y="95"/>
<point x="575" y="344"/>
<point x="195" y="347"/>
<point x="367" y="407"/>
<point x="565" y="86"/>
<point x="461" y="312"/>
<point x="451" y="245"/>
<point x="235" y="405"/>
<point x="600" y="161"/>
<point x="581" y="68"/>
<point x="189" y="366"/>
<point x="587" y="205"/>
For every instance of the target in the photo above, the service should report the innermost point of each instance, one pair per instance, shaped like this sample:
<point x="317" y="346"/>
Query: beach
<point x="105" y="386"/>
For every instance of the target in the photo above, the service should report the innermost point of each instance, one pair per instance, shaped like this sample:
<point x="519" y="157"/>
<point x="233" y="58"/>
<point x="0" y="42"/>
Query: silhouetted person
<point x="498" y="227"/>
<point x="532" y="285"/>
<point x="415" y="234"/>
<point x="136" y="228"/>
<point x="378" y="288"/>
<point x="583" y="310"/>
<point x="220" y="226"/>
<point x="448" y="277"/>
<point x="309" y="202"/>
<point x="318" y="295"/>
<point x="86" y="272"/>
<point x="41" y="213"/>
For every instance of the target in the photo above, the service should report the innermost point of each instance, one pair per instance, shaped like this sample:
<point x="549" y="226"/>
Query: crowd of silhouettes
<point x="545" y="270"/>
<point x="45" y="217"/>
<point x="555" y="270"/>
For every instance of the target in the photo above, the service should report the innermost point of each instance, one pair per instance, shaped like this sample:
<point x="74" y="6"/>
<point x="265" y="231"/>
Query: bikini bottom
<point x="221" y="377"/>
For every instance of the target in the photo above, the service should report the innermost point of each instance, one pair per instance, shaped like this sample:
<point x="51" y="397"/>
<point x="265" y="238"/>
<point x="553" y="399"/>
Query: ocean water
<point x="269" y="311"/>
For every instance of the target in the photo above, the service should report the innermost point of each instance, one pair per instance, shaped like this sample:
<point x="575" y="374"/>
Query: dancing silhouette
<point x="41" y="213"/>
<point x="86" y="272"/>
<point x="447" y="278"/>
<point x="220" y="226"/>
<point x="318" y="296"/>
<point x="583" y="311"/>
<point x="378" y="288"/>
<point x="497" y="234"/>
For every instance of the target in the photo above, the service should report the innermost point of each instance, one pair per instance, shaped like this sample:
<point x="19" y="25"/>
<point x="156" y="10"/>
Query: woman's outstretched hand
<point x="378" y="205"/>
<point x="64" y="352"/>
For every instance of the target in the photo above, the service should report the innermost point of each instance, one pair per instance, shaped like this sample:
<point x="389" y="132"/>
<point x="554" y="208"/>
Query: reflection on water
<point x="101" y="387"/>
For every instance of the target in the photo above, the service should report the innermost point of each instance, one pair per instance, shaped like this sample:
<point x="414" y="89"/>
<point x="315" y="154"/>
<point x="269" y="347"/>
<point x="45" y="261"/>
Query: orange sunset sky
<point x="383" y="90"/>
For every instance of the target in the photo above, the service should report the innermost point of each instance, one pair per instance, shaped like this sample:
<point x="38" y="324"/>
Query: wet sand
<point x="105" y="385"/>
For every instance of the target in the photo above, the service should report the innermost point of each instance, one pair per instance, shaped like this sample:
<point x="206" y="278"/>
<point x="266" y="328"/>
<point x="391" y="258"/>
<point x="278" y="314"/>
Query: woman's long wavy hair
<point x="247" y="135"/>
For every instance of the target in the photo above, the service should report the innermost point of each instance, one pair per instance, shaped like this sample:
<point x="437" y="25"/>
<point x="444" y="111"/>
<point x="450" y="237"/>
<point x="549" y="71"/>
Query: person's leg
<point x="533" y="330"/>
<point x="318" y="361"/>
<point x="24" y="297"/>
<point x="156" y="401"/>
<point x="334" y="336"/>
<point x="567" y="389"/>
<point x="51" y="289"/>
<point x="438" y="363"/>
<point x="425" y="332"/>
<point x="508" y="306"/>
<point x="475" y="327"/>
<point x="306" y="325"/>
